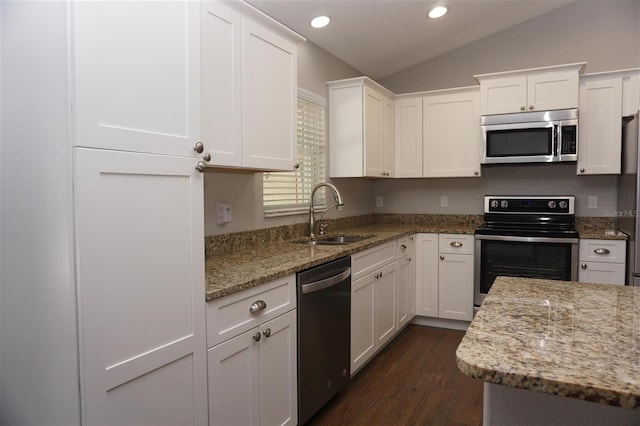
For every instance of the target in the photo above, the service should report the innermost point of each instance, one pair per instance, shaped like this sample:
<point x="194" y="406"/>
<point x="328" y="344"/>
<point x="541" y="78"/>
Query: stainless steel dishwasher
<point x="324" y="321"/>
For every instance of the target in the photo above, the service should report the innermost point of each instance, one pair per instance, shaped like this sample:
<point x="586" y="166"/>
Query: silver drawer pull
<point x="456" y="244"/>
<point x="601" y="251"/>
<point x="257" y="306"/>
<point x="403" y="247"/>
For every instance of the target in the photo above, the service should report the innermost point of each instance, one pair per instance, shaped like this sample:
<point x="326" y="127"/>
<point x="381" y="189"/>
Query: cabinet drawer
<point x="455" y="243"/>
<point x="405" y="246"/>
<point x="367" y="261"/>
<point x="611" y="251"/>
<point x="230" y="315"/>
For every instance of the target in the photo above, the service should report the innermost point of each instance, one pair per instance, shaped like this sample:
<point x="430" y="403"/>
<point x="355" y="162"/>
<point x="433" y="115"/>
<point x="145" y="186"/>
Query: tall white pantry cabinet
<point x="102" y="236"/>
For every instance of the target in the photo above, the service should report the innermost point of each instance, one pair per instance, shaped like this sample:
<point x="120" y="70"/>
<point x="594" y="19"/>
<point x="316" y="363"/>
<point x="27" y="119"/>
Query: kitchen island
<point x="555" y="352"/>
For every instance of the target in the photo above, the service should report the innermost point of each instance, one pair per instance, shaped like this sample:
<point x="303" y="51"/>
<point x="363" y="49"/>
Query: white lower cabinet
<point x="382" y="297"/>
<point x="253" y="375"/>
<point x="373" y="313"/>
<point x="444" y="276"/>
<point x="602" y="261"/>
<point x="140" y="274"/>
<point x="406" y="285"/>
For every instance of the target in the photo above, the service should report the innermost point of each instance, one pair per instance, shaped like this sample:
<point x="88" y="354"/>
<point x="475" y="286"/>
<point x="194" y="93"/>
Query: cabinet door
<point x="139" y="229"/>
<point x="503" y="95"/>
<point x="137" y="90"/>
<point x="406" y="286"/>
<point x="373" y="133"/>
<point x="552" y="90"/>
<point x="384" y="300"/>
<point x="602" y="273"/>
<point x="451" y="134"/>
<point x="455" y="292"/>
<point x="279" y="371"/>
<point x="363" y="343"/>
<point x="388" y="146"/>
<point x="221" y="69"/>
<point x="408" y="138"/>
<point x="234" y="391"/>
<point x="427" y="275"/>
<point x="599" y="128"/>
<point x="270" y="85"/>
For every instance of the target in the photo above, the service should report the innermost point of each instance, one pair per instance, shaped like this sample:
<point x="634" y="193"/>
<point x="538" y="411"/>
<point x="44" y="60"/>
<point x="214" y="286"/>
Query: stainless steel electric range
<point x="521" y="236"/>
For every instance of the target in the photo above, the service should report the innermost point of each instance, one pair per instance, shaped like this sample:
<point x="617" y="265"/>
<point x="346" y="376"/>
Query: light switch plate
<point x="379" y="201"/>
<point x="593" y="201"/>
<point x="444" y="201"/>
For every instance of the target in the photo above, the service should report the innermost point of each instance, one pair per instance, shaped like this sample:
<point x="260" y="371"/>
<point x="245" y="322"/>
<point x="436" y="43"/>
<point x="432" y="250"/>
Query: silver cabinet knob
<point x="475" y="172"/>
<point x="201" y="166"/>
<point x="601" y="251"/>
<point x="411" y="238"/>
<point x="267" y="332"/>
<point x="530" y="107"/>
<point x="583" y="266"/>
<point x="257" y="306"/>
<point x="403" y="247"/>
<point x="441" y="257"/>
<point x="257" y="336"/>
<point x="522" y="108"/>
<point x="206" y="156"/>
<point x="198" y="147"/>
<point x="296" y="166"/>
<point x="581" y="170"/>
<point x="409" y="259"/>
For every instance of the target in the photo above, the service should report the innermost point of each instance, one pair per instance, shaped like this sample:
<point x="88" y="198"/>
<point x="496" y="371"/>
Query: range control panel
<point x="529" y="205"/>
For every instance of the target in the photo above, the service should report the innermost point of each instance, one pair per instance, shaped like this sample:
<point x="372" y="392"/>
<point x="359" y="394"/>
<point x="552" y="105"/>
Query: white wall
<point x="39" y="376"/>
<point x="465" y="195"/>
<point x="605" y="34"/>
<point x="244" y="190"/>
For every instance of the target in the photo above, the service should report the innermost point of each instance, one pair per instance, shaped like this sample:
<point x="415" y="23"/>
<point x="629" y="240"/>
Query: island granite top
<point x="570" y="339"/>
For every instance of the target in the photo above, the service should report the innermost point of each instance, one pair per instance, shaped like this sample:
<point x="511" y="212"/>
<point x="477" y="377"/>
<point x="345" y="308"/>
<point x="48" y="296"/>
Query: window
<point x="287" y="193"/>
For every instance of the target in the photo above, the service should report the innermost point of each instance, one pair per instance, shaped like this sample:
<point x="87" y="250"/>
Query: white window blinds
<point x="287" y="193"/>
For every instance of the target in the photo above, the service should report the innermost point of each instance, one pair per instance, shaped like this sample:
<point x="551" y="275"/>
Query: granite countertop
<point x="570" y="339"/>
<point x="231" y="272"/>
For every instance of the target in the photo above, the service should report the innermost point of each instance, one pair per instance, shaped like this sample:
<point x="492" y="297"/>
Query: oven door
<point x="530" y="257"/>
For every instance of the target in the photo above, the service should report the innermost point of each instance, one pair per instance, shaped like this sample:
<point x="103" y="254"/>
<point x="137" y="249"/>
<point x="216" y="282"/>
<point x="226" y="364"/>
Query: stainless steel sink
<point x="336" y="240"/>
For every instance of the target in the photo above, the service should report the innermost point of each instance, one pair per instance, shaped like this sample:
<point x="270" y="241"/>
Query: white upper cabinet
<point x="600" y="127"/>
<point x="137" y="76"/>
<point x="249" y="88"/>
<point x="538" y="89"/>
<point x="451" y="133"/>
<point x="361" y="132"/>
<point x="408" y="137"/>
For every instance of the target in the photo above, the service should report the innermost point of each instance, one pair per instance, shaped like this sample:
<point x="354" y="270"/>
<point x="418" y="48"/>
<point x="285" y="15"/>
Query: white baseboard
<point x="441" y="323"/>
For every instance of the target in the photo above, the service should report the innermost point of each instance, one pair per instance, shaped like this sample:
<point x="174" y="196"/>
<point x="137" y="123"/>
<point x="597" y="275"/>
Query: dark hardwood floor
<point x="413" y="381"/>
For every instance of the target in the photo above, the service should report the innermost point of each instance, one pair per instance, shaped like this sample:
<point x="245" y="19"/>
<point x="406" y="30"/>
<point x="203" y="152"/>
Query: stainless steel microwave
<point x="530" y="137"/>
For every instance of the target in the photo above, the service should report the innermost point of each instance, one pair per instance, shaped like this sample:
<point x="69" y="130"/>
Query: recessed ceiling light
<point x="437" y="12"/>
<point x="320" y="21"/>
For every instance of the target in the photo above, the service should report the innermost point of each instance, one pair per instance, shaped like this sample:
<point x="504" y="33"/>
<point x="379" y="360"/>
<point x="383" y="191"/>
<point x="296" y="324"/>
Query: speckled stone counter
<point x="227" y="272"/>
<point x="569" y="339"/>
<point x="599" y="228"/>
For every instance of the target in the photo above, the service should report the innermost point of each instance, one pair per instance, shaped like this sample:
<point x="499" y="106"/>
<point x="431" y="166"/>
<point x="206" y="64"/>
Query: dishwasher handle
<point x="325" y="283"/>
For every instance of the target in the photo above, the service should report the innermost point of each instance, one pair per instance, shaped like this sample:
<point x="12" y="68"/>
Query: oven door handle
<point x="527" y="239"/>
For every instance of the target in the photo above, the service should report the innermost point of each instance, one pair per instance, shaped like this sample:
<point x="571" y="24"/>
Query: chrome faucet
<point x="338" y="204"/>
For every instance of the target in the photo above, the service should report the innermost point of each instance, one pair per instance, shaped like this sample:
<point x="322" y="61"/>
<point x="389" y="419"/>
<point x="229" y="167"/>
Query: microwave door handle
<point x="555" y="140"/>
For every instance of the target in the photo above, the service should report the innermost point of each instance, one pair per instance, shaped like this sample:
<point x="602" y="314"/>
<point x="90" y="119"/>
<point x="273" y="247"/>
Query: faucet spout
<point x="338" y="204"/>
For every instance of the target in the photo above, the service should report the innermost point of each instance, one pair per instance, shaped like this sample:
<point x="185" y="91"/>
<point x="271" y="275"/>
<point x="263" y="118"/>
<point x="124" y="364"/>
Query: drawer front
<point x="611" y="251"/>
<point x="405" y="246"/>
<point x="369" y="260"/>
<point x="230" y="315"/>
<point x="455" y="243"/>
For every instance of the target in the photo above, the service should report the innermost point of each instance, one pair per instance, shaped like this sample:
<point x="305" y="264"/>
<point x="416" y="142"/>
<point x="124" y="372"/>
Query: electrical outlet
<point x="379" y="201"/>
<point x="444" y="201"/>
<point x="223" y="212"/>
<point x="593" y="201"/>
